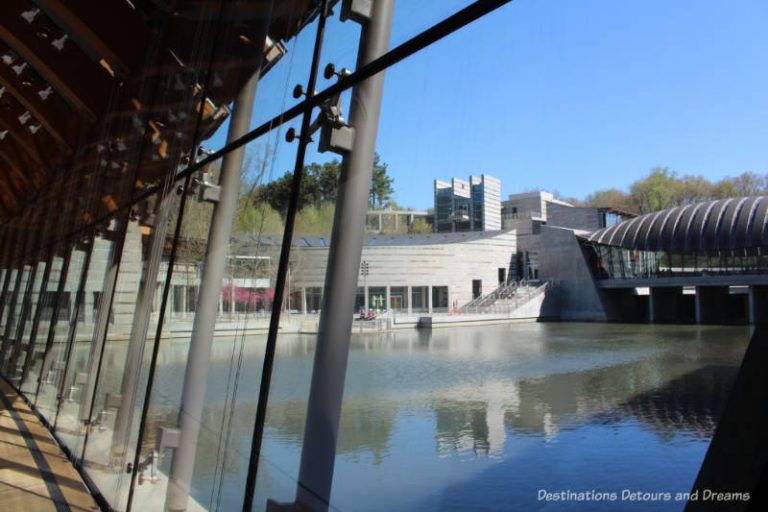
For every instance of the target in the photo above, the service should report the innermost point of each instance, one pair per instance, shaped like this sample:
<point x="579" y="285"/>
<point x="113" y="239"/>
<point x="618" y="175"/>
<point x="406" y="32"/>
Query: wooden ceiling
<point x="93" y="91"/>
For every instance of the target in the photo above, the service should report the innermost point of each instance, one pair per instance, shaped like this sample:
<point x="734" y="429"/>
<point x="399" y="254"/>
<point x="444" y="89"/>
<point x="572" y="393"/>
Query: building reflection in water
<point x="474" y="392"/>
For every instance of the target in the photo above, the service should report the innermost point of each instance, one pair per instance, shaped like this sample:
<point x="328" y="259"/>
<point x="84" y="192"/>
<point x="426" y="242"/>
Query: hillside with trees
<point x="263" y="207"/>
<point x="663" y="188"/>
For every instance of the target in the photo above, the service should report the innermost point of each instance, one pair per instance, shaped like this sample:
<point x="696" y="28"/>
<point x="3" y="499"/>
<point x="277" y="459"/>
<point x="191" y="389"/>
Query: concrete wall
<point x="587" y="219"/>
<point x="573" y="294"/>
<point x="453" y="264"/>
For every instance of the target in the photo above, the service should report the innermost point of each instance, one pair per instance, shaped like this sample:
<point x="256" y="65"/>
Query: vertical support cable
<point x="282" y="270"/>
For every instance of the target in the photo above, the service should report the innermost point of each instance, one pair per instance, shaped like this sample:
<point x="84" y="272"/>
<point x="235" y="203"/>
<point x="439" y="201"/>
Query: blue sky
<point x="571" y="96"/>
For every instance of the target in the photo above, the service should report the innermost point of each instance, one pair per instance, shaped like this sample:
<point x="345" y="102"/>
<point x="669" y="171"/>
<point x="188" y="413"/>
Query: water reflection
<point x="425" y="411"/>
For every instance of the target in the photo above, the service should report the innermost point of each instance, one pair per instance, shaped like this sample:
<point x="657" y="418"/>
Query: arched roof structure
<point x="720" y="225"/>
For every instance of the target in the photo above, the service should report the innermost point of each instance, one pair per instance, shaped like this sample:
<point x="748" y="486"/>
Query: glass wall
<point x="154" y="376"/>
<point x="608" y="262"/>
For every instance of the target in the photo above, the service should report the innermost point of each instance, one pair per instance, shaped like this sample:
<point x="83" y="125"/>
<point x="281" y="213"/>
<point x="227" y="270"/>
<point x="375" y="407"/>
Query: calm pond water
<point x="480" y="418"/>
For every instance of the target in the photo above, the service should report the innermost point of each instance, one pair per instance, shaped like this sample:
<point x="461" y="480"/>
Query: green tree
<point x="381" y="191"/>
<point x="748" y="184"/>
<point x="315" y="220"/>
<point x="320" y="185"/>
<point x="656" y="192"/>
<point x="693" y="189"/>
<point x="609" y="198"/>
<point x="421" y="226"/>
<point x="256" y="219"/>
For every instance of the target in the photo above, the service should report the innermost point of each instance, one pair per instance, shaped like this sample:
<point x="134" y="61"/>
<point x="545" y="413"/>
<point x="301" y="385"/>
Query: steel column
<point x="73" y="321"/>
<point x="15" y="333"/>
<point x="29" y="357"/>
<point x="26" y="305"/>
<point x="140" y="325"/>
<point x="8" y="264"/>
<point x="10" y="321"/>
<point x="215" y="262"/>
<point x="54" y="317"/>
<point x="330" y="364"/>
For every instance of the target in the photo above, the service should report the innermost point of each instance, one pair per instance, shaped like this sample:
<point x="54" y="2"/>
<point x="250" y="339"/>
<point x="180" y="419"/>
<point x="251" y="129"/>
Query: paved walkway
<point x="34" y="473"/>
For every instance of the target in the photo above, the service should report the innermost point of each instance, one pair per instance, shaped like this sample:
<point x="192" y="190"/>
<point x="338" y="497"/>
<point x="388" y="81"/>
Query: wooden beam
<point x="107" y="30"/>
<point x="52" y="113"/>
<point x="10" y="198"/>
<point x="40" y="147"/>
<point x="84" y="85"/>
<point x="30" y="172"/>
<point x="16" y="177"/>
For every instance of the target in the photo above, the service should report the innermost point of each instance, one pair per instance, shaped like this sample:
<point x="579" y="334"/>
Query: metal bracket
<point x="358" y="11"/>
<point x="168" y="438"/>
<point x="207" y="191"/>
<point x="339" y="140"/>
<point x="113" y="400"/>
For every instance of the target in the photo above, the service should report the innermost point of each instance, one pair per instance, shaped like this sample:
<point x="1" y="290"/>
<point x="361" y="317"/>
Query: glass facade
<point x="107" y="325"/>
<point x="607" y="262"/>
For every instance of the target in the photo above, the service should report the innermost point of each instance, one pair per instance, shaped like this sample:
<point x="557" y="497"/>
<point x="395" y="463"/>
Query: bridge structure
<point x="703" y="263"/>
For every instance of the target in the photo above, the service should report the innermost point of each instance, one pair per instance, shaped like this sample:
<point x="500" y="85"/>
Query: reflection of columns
<point x="365" y="298"/>
<point x="72" y="332"/>
<point x="697" y="305"/>
<point x="88" y="307"/>
<point x="10" y="320"/>
<point x="650" y="305"/>
<point x="63" y="272"/>
<point x="409" y="299"/>
<point x="429" y="299"/>
<point x="184" y="298"/>
<point x="214" y="265"/>
<point x="389" y="299"/>
<point x="101" y="322"/>
<point x="232" y="297"/>
<point x="139" y="327"/>
<point x="26" y="304"/>
<point x="43" y="289"/>
<point x="303" y="300"/>
<point x="751" y="303"/>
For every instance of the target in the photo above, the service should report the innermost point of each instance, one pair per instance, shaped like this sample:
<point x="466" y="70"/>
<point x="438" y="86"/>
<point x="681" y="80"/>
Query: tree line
<point x="663" y="188"/>
<point x="263" y="206"/>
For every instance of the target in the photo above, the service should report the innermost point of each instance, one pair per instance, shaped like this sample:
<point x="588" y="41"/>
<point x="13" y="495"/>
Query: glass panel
<point x="244" y="307"/>
<point x="131" y="321"/>
<point x="74" y="411"/>
<point x="31" y="302"/>
<point x="55" y="359"/>
<point x="43" y="317"/>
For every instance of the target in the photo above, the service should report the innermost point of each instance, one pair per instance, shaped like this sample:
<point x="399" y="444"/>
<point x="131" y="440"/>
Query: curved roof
<point x="721" y="225"/>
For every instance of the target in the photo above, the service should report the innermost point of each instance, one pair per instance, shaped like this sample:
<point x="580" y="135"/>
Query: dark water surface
<point x="476" y="418"/>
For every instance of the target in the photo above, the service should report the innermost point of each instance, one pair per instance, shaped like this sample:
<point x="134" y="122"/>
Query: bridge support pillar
<point x="697" y="305"/>
<point x="668" y="304"/>
<point x="758" y="304"/>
